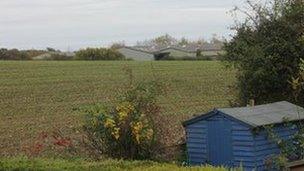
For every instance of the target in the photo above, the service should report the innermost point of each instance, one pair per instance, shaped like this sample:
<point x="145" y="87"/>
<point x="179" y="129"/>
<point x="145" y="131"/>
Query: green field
<point x="40" y="96"/>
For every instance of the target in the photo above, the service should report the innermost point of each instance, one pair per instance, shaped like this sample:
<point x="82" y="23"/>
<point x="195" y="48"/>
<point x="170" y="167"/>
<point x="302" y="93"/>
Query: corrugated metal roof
<point x="188" y="48"/>
<point x="137" y="49"/>
<point x="266" y="114"/>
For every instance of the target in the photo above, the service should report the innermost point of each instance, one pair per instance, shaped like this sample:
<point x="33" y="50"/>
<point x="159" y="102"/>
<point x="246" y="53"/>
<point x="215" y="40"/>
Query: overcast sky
<point x="73" y="24"/>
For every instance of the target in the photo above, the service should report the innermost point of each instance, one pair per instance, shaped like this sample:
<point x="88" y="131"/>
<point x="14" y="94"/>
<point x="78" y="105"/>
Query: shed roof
<point x="260" y="115"/>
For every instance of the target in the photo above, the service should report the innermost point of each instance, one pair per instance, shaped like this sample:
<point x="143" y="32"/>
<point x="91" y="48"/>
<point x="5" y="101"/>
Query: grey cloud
<point x="81" y="23"/>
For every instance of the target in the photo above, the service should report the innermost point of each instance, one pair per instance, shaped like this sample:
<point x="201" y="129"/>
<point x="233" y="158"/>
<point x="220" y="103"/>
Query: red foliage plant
<point x="49" y="141"/>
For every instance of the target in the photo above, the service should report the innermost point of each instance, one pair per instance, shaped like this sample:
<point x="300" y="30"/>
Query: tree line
<point x="52" y="54"/>
<point x="15" y="54"/>
<point x="110" y="53"/>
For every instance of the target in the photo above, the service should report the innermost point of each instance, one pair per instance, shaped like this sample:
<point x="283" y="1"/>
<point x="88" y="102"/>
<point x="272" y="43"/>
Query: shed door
<point x="219" y="142"/>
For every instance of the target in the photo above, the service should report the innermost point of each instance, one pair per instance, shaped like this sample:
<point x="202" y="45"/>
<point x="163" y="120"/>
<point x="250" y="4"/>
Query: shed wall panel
<point x="242" y="142"/>
<point x="196" y="142"/>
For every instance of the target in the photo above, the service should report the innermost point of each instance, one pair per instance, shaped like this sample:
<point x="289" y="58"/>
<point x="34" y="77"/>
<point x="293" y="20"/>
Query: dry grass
<point x="42" y="95"/>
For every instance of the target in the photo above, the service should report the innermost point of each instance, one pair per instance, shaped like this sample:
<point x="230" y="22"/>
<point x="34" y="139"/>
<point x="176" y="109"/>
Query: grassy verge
<point x="22" y="163"/>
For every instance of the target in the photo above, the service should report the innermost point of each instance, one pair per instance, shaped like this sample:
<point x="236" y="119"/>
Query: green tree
<point x="165" y="40"/>
<point x="267" y="49"/>
<point x="49" y="49"/>
<point x="13" y="54"/>
<point x="161" y="41"/>
<point x="183" y="42"/>
<point x="217" y="42"/>
<point x="118" y="45"/>
<point x="99" y="54"/>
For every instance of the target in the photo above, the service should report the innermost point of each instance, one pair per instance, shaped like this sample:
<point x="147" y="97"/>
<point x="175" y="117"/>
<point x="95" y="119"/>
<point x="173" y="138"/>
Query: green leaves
<point x="267" y="54"/>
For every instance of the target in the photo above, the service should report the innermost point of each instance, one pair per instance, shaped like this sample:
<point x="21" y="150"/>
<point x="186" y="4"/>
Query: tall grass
<point x="23" y="163"/>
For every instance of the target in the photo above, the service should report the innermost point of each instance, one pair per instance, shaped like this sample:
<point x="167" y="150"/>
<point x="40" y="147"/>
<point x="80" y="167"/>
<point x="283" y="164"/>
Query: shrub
<point x="292" y="148"/>
<point x="267" y="49"/>
<point x="125" y="130"/>
<point x="99" y="54"/>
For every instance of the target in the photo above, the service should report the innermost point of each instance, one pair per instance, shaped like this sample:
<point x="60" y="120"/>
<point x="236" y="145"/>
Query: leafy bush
<point x="99" y="54"/>
<point x="267" y="49"/>
<point x="125" y="130"/>
<point x="292" y="148"/>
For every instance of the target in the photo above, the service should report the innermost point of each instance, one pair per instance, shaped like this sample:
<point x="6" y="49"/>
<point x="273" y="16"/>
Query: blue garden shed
<point x="236" y="136"/>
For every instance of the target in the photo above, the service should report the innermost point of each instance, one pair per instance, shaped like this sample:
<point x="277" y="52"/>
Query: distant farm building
<point x="136" y="54"/>
<point x="236" y="136"/>
<point x="145" y="53"/>
<point x="179" y="52"/>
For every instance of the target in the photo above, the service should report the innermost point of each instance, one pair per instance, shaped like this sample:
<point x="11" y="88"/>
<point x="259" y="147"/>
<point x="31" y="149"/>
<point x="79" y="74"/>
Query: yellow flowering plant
<point x="126" y="130"/>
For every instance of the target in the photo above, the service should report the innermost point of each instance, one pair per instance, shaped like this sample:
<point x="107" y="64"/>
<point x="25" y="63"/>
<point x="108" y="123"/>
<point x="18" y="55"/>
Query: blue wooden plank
<point x="198" y="156"/>
<point x="243" y="143"/>
<point x="194" y="151"/>
<point x="196" y="131"/>
<point x="195" y="136"/>
<point x="241" y="133"/>
<point x="242" y="138"/>
<point x="198" y="126"/>
<point x="240" y="128"/>
<point x="242" y="153"/>
<point x="196" y="145"/>
<point x="196" y="140"/>
<point x="243" y="158"/>
<point x="243" y="148"/>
